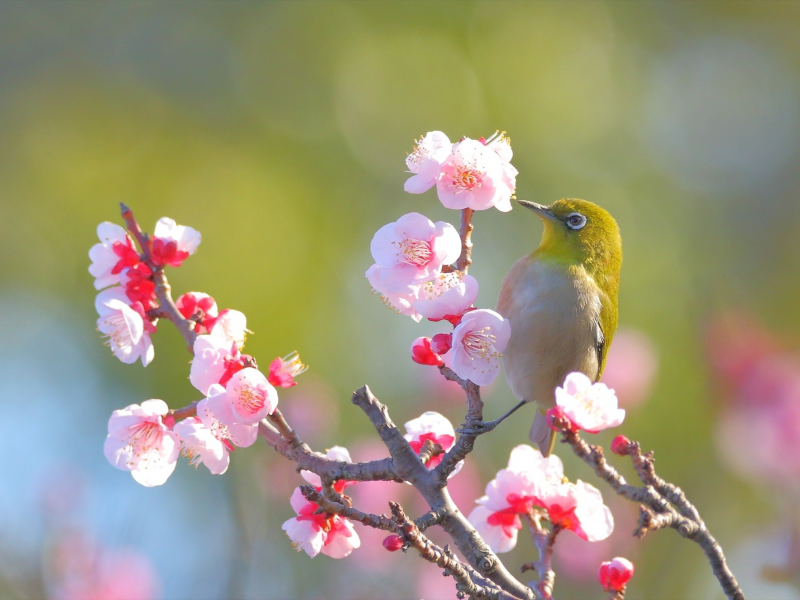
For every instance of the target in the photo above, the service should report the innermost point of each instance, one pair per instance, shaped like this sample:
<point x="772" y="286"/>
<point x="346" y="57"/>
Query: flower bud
<point x="615" y="574"/>
<point x="442" y="342"/>
<point x="558" y="421"/>
<point x="282" y="371"/>
<point x="422" y="353"/>
<point x="621" y="445"/>
<point x="393" y="543"/>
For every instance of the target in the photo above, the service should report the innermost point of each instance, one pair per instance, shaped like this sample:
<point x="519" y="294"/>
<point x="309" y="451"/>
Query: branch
<point x="545" y="541"/>
<point x="466" y="441"/>
<point x="660" y="500"/>
<point x="465" y="260"/>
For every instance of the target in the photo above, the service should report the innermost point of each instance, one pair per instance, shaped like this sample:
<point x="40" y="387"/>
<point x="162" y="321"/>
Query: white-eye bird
<point x="561" y="301"/>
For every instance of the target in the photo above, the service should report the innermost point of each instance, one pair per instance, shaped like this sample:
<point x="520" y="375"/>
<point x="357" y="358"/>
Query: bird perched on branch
<point x="561" y="301"/>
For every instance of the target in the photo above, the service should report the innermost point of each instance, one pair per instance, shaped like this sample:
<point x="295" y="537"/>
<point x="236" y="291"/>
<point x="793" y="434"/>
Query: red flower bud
<point x="621" y="445"/>
<point x="442" y="342"/>
<point x="393" y="543"/>
<point x="422" y="353"/>
<point x="615" y="574"/>
<point x="558" y="421"/>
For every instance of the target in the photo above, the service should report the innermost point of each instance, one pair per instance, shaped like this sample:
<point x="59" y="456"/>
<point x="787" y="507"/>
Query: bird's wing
<point x="606" y="327"/>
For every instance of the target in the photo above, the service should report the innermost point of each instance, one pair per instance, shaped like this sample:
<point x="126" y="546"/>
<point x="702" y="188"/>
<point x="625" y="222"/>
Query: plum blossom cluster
<point x="531" y="482"/>
<point x="420" y="269"/>
<point x="147" y="439"/>
<point x="474" y="174"/>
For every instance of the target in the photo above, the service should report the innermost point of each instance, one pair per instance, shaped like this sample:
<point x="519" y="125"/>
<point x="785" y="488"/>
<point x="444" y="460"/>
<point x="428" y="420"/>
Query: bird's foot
<point x="479" y="427"/>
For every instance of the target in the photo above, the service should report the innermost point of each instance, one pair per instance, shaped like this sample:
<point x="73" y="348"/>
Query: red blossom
<point x="615" y="574"/>
<point x="621" y="445"/>
<point x="393" y="543"/>
<point x="165" y="252"/>
<point x="555" y="416"/>
<point x="422" y="353"/>
<point x="128" y="256"/>
<point x="139" y="286"/>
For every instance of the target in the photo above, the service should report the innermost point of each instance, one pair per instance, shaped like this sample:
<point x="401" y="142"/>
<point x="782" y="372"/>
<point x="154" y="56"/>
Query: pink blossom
<point x="198" y="303"/>
<point x="477" y="345"/>
<point x="592" y="407"/>
<point x="216" y="360"/>
<point x="401" y="302"/>
<point x="337" y="453"/>
<point x="501" y="144"/>
<point x="138" y="441"/>
<point x="421" y="353"/>
<point x="578" y="507"/>
<point x="631" y="366"/>
<point x="442" y="342"/>
<point x="114" y="253"/>
<point x="282" y="371"/>
<point x="473" y="176"/>
<point x="125" y="326"/>
<point x="435" y="427"/>
<point x="173" y="243"/>
<point x="615" y="574"/>
<point x="230" y="325"/>
<point x="138" y="284"/>
<point x="312" y="533"/>
<point x="425" y="161"/>
<point x="447" y="295"/>
<point x="514" y="491"/>
<point x="413" y="250"/>
<point x="206" y="440"/>
<point x="251" y="396"/>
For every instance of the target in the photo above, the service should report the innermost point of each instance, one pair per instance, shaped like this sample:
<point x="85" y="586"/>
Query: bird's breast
<point x="554" y="312"/>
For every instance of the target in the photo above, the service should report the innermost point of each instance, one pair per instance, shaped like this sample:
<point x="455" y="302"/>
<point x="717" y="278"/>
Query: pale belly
<point x="555" y="328"/>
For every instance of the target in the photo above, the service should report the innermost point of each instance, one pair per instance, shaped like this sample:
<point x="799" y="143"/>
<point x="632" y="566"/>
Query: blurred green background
<point x="279" y="130"/>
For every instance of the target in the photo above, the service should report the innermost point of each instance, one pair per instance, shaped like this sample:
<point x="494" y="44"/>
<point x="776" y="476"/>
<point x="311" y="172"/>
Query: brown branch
<point x="618" y="595"/>
<point x="465" y="260"/>
<point x="466" y="441"/>
<point x="544" y="541"/>
<point x="185" y="412"/>
<point x="468" y="581"/>
<point x="660" y="500"/>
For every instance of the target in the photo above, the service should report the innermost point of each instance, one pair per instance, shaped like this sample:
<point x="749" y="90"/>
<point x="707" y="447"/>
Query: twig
<point x="545" y="541"/>
<point x="466" y="441"/>
<point x="658" y="498"/>
<point x="465" y="260"/>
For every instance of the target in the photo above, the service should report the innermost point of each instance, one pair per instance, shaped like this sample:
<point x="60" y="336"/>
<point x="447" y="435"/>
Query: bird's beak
<point x="542" y="211"/>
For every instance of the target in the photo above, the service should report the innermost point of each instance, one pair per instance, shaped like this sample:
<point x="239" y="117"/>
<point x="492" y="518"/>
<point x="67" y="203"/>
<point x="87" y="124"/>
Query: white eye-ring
<point x="576" y="221"/>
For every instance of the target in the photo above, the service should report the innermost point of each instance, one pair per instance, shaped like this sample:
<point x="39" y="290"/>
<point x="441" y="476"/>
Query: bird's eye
<point x="576" y="221"/>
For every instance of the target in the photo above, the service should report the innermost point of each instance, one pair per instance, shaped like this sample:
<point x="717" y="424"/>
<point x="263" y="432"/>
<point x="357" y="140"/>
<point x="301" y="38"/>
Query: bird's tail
<point x="542" y="435"/>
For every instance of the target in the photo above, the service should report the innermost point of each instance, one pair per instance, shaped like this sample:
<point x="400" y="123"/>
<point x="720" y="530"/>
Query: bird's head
<point x="578" y="231"/>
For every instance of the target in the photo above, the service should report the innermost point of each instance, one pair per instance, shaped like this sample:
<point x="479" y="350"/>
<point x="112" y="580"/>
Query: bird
<point x="561" y="301"/>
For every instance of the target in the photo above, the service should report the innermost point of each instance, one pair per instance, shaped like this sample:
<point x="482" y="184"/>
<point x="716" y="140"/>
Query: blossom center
<point x="479" y="343"/>
<point x="467" y="177"/>
<point x="145" y="436"/>
<point x="252" y="400"/>
<point x="415" y="252"/>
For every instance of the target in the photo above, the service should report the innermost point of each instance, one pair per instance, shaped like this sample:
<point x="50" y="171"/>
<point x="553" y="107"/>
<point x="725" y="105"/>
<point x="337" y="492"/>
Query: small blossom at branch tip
<point x="173" y="243"/>
<point x="199" y="306"/>
<point x="282" y="371"/>
<point x="412" y="250"/>
<point x="447" y="296"/>
<point x="615" y="574"/>
<point x="393" y="542"/>
<point x="400" y="302"/>
<point x="476" y="176"/>
<point x="436" y="428"/>
<point x="421" y="353"/>
<point x="338" y="453"/>
<point x="621" y="445"/>
<point x="425" y="161"/>
<point x="478" y="343"/>
<point x="313" y="533"/>
<point x="114" y="253"/>
<point x="125" y="326"/>
<point x="442" y="342"/>
<point x="590" y="406"/>
<point x="579" y="507"/>
<point x="140" y="442"/>
<point x="558" y="421"/>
